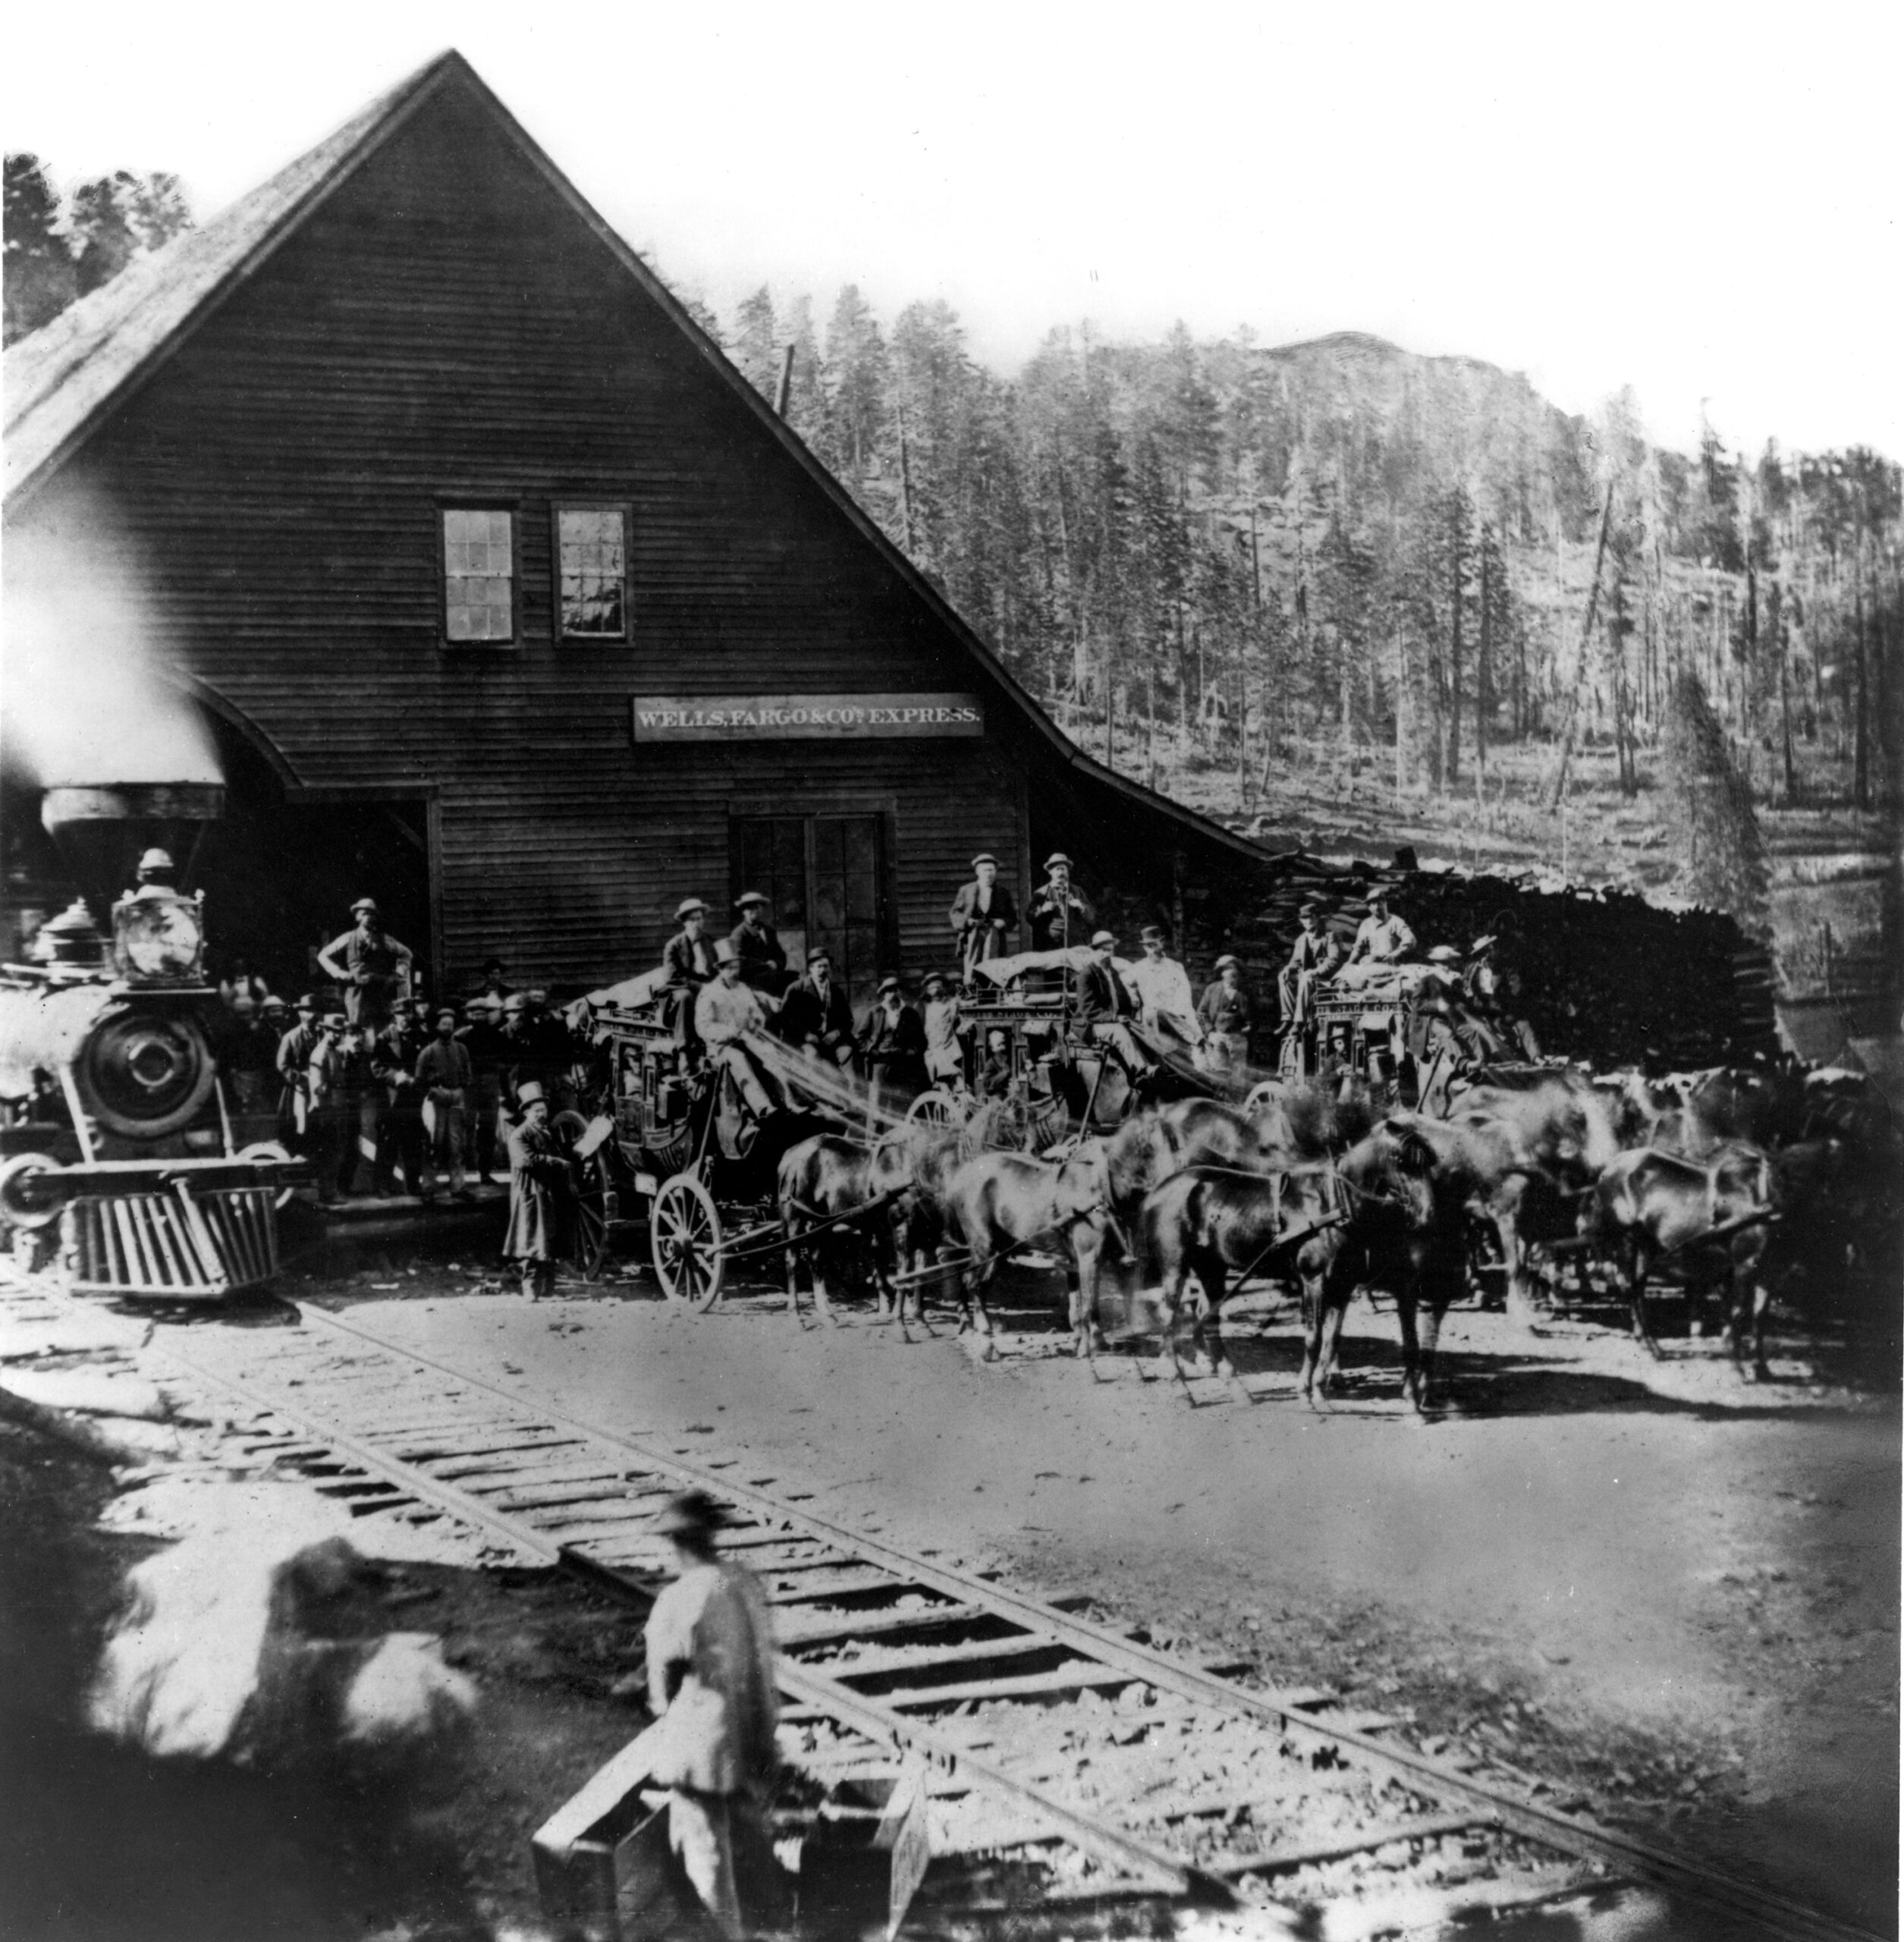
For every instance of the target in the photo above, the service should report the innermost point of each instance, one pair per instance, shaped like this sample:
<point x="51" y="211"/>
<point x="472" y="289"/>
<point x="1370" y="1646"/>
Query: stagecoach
<point x="1054" y="1079"/>
<point x="663" y="1141"/>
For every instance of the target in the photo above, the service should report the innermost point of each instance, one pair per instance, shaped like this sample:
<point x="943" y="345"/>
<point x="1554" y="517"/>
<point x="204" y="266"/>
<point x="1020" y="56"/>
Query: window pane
<point x="478" y="574"/>
<point x="592" y="568"/>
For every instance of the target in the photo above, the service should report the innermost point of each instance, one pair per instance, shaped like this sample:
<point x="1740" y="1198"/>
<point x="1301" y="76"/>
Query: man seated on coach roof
<point x="944" y="1057"/>
<point x="817" y="1015"/>
<point x="1383" y="940"/>
<point x="1313" y="957"/>
<point x="763" y="958"/>
<point x="370" y="965"/>
<point x="1227" y="1017"/>
<point x="1102" y="1001"/>
<point x="982" y="913"/>
<point x="891" y="1044"/>
<point x="1167" y="1005"/>
<point x="688" y="956"/>
<point x="723" y="1012"/>
<point x="1061" y="916"/>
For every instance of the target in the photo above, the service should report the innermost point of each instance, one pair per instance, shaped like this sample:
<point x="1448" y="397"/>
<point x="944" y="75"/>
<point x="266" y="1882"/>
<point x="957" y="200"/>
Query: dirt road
<point x="1670" y="1595"/>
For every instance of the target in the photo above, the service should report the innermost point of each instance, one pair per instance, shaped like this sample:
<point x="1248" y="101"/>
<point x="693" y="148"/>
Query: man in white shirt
<point x="711" y="1687"/>
<point x="723" y="1012"/>
<point x="1166" y="1003"/>
<point x="1383" y="941"/>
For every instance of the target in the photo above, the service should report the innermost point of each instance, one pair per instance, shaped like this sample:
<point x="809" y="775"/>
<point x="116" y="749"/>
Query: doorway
<point x="825" y="879"/>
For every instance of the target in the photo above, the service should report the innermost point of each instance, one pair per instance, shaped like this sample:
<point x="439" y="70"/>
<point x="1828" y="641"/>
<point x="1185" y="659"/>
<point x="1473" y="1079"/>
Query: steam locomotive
<point x="120" y="1175"/>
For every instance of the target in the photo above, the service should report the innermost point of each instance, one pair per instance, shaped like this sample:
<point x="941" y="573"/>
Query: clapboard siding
<point x="447" y="326"/>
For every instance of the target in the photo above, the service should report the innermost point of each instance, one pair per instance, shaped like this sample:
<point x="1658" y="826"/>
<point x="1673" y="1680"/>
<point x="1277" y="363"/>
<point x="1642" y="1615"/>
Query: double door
<point x="825" y="879"/>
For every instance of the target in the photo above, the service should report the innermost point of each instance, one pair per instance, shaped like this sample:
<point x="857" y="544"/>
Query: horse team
<point x="1757" y="1184"/>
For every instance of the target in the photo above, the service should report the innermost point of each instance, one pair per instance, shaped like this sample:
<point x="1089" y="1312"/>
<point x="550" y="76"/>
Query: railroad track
<point x="1030" y="1732"/>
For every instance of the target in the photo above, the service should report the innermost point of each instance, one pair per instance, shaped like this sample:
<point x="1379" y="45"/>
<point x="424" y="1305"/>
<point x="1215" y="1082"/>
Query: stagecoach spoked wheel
<point x="1259" y="1095"/>
<point x="685" y="1231"/>
<point x="591" y="1202"/>
<point x="935" y="1107"/>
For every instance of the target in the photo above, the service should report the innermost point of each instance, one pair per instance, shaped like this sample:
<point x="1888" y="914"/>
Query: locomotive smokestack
<point x="101" y="829"/>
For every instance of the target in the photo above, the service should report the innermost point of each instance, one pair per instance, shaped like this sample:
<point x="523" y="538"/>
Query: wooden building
<point x="509" y="602"/>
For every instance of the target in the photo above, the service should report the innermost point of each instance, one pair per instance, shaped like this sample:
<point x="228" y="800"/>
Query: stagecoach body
<point x="121" y="1176"/>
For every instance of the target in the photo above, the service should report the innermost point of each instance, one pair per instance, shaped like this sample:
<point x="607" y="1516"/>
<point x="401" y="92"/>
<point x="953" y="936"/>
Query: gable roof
<point x="63" y="380"/>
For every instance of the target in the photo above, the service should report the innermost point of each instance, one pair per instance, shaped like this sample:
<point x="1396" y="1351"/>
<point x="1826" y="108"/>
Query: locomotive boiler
<point x="120" y="1175"/>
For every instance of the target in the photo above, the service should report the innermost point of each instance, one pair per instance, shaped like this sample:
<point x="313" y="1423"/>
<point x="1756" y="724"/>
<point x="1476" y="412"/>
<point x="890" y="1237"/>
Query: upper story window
<point x="478" y="574"/>
<point x="592" y="572"/>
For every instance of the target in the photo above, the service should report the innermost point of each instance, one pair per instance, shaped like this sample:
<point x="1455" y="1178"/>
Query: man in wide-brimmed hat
<point x="1060" y="915"/>
<point x="890" y="1046"/>
<point x="688" y="956"/>
<point x="370" y="965"/>
<point x="711" y="1687"/>
<point x="1315" y="956"/>
<point x="763" y="957"/>
<point x="725" y="1012"/>
<point x="982" y="913"/>
<point x="541" y="1190"/>
<point x="1226" y="1014"/>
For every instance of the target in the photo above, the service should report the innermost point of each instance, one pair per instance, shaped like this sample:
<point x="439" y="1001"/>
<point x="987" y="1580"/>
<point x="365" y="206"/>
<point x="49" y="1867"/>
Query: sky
<point x="1701" y="202"/>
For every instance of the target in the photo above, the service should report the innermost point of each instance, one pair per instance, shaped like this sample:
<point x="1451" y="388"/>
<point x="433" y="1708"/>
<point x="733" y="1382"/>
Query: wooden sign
<point x="788" y="717"/>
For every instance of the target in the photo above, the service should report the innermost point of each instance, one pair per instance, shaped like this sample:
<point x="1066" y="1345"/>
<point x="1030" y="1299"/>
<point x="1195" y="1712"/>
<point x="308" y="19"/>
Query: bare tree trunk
<point x="1860" y="764"/>
<point x="1775" y="624"/>
<point x="1452" y="767"/>
<point x="1483" y="674"/>
<point x="1557" y="788"/>
<point x="1401" y="715"/>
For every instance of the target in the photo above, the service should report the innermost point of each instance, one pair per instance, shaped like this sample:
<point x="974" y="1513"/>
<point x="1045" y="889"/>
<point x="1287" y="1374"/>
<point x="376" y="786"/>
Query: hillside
<point x="1339" y="590"/>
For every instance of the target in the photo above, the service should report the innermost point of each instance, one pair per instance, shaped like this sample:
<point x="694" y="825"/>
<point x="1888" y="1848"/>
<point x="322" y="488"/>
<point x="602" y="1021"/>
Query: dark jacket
<point x="1097" y="992"/>
<point x="1051" y="930"/>
<point x="805" y="1016"/>
<point x="893" y="1049"/>
<point x="539" y="1195"/>
<point x="689" y="960"/>
<point x="966" y="915"/>
<point x="1226" y="1011"/>
<point x="763" y="959"/>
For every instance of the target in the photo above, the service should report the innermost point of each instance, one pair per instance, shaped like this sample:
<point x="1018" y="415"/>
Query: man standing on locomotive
<point x="818" y="1015"/>
<point x="723" y="1012"/>
<point x="1061" y="916"/>
<point x="982" y="913"/>
<point x="370" y="965"/>
<point x="763" y="958"/>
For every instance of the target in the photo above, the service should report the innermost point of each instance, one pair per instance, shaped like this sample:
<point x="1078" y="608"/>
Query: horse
<point x="820" y="1179"/>
<point x="1210" y="1221"/>
<point x="996" y="1203"/>
<point x="1403" y="1231"/>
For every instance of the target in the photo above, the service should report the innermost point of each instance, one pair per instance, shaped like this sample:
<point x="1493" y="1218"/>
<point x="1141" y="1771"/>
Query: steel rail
<point x="1630" y="1858"/>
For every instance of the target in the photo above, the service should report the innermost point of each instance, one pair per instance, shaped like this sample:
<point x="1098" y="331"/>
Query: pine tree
<point x="40" y="280"/>
<point x="754" y="345"/>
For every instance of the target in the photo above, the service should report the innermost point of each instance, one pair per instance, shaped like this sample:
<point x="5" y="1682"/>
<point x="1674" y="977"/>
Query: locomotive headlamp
<point x="158" y="937"/>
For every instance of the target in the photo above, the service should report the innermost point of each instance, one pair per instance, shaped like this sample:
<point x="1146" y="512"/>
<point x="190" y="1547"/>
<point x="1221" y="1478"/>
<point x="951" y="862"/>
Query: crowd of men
<point x="384" y="1093"/>
<point x="381" y="1091"/>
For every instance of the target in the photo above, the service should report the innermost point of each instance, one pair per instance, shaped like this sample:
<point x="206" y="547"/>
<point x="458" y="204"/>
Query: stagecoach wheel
<point x="685" y="1230"/>
<point x="935" y="1107"/>
<point x="1259" y="1095"/>
<point x="592" y="1216"/>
